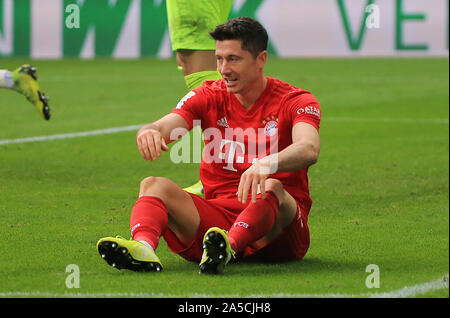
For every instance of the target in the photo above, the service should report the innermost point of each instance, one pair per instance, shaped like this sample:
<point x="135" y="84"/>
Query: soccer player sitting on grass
<point x="261" y="135"/>
<point x="24" y="81"/>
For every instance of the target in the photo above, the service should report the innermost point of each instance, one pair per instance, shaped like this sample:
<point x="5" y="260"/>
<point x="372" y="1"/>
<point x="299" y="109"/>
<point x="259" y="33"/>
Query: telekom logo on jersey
<point x="227" y="146"/>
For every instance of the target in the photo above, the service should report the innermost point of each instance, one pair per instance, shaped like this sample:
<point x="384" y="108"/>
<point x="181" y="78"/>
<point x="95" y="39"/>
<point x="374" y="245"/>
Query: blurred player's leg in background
<point x="189" y="24"/>
<point x="6" y="80"/>
<point x="24" y="81"/>
<point x="197" y="66"/>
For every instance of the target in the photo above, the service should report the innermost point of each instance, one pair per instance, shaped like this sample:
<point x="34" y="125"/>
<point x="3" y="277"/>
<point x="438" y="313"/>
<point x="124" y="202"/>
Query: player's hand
<point x="254" y="179"/>
<point x="150" y="144"/>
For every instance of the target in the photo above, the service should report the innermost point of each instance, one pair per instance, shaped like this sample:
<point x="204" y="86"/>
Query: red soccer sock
<point x="148" y="220"/>
<point x="254" y="222"/>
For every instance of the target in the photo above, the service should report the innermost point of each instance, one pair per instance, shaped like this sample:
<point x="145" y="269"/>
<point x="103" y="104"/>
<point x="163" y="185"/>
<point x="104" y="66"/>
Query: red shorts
<point x="291" y="244"/>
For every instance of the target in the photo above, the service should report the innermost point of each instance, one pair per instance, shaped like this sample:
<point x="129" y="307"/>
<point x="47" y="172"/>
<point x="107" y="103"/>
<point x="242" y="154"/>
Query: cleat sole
<point x="120" y="258"/>
<point x="215" y="247"/>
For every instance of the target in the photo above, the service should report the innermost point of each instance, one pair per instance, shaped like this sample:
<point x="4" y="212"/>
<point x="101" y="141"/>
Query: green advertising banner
<point x="138" y="28"/>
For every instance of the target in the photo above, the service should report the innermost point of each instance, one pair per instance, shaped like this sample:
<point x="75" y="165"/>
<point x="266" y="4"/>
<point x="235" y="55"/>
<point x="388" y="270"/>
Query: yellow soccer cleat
<point x="128" y="254"/>
<point x="25" y="82"/>
<point x="196" y="188"/>
<point x="217" y="251"/>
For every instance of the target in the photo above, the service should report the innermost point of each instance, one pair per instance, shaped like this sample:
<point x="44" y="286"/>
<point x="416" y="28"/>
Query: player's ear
<point x="262" y="58"/>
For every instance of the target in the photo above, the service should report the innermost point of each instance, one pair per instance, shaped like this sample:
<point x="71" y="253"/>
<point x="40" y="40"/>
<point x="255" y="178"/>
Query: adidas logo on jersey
<point x="222" y="122"/>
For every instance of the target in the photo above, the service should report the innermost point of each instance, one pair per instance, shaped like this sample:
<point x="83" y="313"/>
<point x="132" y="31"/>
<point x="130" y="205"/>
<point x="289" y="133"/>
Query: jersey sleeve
<point x="191" y="106"/>
<point x="303" y="107"/>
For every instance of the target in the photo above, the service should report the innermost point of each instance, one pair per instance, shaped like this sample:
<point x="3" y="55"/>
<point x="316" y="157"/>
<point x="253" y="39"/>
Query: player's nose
<point x="224" y="69"/>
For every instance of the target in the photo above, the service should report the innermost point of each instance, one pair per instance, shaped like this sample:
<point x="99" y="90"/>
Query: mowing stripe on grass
<point x="116" y="130"/>
<point x="405" y="292"/>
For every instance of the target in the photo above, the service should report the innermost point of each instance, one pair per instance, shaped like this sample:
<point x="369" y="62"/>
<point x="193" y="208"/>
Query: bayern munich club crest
<point x="271" y="125"/>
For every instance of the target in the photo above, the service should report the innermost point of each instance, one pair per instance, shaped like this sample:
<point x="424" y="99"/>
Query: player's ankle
<point x="146" y="244"/>
<point x="233" y="244"/>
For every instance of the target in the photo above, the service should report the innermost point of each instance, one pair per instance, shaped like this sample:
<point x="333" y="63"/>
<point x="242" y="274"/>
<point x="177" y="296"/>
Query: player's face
<point x="238" y="67"/>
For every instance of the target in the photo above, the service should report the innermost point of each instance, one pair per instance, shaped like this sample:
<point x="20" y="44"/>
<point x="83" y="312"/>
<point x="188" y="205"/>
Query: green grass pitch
<point x="380" y="189"/>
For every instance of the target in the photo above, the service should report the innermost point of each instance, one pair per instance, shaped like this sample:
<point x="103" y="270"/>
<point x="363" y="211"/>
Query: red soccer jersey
<point x="236" y="137"/>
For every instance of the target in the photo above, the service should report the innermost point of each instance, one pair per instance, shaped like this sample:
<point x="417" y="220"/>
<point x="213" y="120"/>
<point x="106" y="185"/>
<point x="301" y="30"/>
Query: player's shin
<point x="148" y="220"/>
<point x="254" y="222"/>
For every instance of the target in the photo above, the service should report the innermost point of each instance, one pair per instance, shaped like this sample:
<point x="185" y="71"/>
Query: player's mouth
<point x="231" y="82"/>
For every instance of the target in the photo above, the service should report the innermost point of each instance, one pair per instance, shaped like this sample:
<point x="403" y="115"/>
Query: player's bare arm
<point x="304" y="150"/>
<point x="153" y="138"/>
<point x="302" y="153"/>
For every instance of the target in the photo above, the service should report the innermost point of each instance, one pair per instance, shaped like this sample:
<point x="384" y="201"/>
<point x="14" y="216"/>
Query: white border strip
<point x="405" y="292"/>
<point x="136" y="127"/>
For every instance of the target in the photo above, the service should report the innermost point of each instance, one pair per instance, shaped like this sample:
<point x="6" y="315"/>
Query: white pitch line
<point x="405" y="292"/>
<point x="411" y="291"/>
<point x="115" y="130"/>
<point x="388" y="120"/>
<point x="71" y="135"/>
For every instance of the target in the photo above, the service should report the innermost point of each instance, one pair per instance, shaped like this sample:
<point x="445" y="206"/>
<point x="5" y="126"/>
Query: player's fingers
<point x="262" y="186"/>
<point x="151" y="147"/>
<point x="157" y="143"/>
<point x="144" y="148"/>
<point x="240" y="187"/>
<point x="139" y="144"/>
<point x="164" y="145"/>
<point x="255" y="183"/>
<point x="246" y="189"/>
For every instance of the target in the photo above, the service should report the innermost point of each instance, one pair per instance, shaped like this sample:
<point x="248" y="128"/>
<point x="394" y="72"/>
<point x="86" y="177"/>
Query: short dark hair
<point x="252" y="34"/>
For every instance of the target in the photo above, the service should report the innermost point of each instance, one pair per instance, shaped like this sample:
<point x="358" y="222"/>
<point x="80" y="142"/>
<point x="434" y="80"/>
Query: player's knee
<point x="275" y="186"/>
<point x="148" y="183"/>
<point x="180" y="59"/>
<point x="193" y="61"/>
<point x="183" y="57"/>
<point x="155" y="186"/>
<point x="287" y="204"/>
